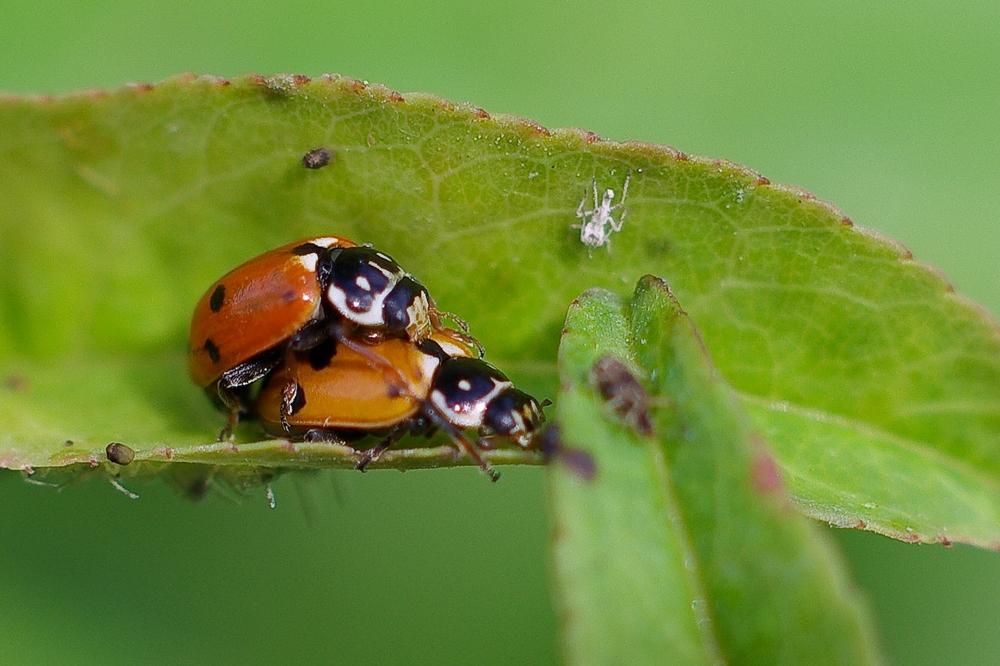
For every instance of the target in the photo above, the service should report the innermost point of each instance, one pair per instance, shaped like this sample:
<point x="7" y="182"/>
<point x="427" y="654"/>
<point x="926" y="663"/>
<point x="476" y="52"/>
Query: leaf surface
<point x="876" y="386"/>
<point x="683" y="547"/>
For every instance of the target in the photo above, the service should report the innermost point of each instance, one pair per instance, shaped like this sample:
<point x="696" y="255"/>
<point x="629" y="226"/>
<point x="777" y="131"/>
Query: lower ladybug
<point x="438" y="384"/>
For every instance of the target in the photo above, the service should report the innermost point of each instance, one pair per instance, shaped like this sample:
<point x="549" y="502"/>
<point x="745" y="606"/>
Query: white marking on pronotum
<point x="309" y="262"/>
<point x="599" y="223"/>
<point x="457" y="414"/>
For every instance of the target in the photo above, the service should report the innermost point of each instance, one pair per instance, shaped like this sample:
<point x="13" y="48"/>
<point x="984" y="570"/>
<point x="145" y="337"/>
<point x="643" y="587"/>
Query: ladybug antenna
<point x="464" y="442"/>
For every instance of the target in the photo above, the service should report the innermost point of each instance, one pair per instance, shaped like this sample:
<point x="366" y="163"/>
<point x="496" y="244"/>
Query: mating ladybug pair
<point x="348" y="344"/>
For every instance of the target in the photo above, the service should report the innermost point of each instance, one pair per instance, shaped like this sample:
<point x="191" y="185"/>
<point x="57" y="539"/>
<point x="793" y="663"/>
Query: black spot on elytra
<point x="213" y="350"/>
<point x="218" y="297"/>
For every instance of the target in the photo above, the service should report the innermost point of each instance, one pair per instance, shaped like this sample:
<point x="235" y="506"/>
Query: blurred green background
<point x="889" y="110"/>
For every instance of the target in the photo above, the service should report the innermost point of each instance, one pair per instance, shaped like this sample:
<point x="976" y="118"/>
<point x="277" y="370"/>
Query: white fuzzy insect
<point x="599" y="223"/>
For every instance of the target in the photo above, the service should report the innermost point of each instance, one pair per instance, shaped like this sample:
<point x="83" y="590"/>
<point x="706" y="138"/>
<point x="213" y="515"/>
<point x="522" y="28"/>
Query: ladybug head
<point x="471" y="393"/>
<point x="515" y="415"/>
<point x="370" y="289"/>
<point x="407" y="310"/>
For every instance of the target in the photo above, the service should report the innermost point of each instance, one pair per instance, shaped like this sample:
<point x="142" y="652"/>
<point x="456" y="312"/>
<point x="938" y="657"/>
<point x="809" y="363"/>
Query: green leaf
<point x="683" y="547"/>
<point x="874" y="383"/>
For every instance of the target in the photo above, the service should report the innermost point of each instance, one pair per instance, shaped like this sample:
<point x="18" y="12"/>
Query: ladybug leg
<point x="316" y="435"/>
<point x="374" y="452"/>
<point x="232" y="389"/>
<point x="313" y="334"/>
<point x="435" y="319"/>
<point x="293" y="398"/>
<point x="485" y="443"/>
<point x="463" y="442"/>
<point x="226" y="434"/>
<point x="466" y="337"/>
<point x="234" y="401"/>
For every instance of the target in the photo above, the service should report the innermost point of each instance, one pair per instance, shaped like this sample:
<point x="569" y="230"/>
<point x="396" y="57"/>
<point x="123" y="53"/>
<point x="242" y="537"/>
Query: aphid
<point x="599" y="223"/>
<point x="623" y="393"/>
<point x="436" y="384"/>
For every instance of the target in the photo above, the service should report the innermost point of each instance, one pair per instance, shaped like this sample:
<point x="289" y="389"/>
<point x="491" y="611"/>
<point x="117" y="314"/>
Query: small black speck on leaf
<point x="317" y="158"/>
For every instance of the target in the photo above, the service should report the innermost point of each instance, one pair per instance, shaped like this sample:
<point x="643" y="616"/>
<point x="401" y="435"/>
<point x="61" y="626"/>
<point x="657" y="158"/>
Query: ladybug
<point x="243" y="324"/>
<point x="437" y="384"/>
<point x="301" y="296"/>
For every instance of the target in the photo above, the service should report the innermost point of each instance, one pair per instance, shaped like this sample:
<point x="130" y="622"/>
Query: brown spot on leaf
<point x="16" y="383"/>
<point x="765" y="474"/>
<point x="537" y="128"/>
